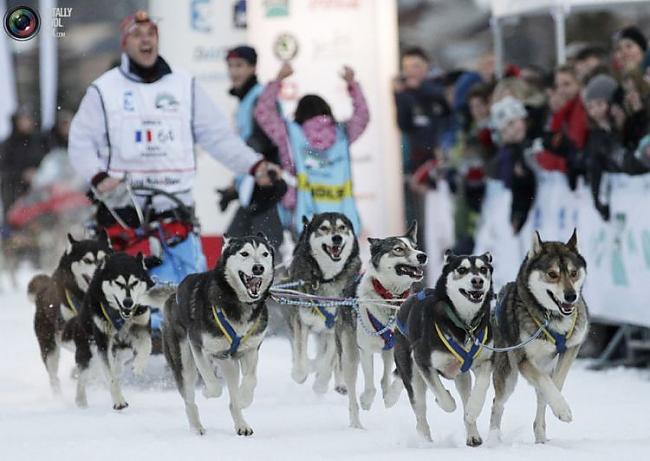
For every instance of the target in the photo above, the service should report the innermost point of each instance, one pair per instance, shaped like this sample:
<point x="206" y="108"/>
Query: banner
<point x="195" y="35"/>
<point x="618" y="253"/>
<point x="7" y="82"/>
<point x="319" y="37"/>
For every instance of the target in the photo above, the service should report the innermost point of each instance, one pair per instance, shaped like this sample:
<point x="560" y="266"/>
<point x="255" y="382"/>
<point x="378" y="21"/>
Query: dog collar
<point x="384" y="293"/>
<point x="229" y="332"/>
<point x="464" y="356"/>
<point x="70" y="302"/>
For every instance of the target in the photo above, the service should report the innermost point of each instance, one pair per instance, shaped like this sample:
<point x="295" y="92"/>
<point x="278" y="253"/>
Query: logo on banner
<point x="200" y="15"/>
<point x="128" y="101"/>
<point x="166" y="102"/>
<point x="143" y="136"/>
<point x="276" y="8"/>
<point x="285" y="47"/>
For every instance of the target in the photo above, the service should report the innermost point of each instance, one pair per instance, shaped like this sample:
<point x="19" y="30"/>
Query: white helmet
<point x="506" y="110"/>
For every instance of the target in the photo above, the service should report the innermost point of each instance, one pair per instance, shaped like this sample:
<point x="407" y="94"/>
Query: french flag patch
<point x="143" y="135"/>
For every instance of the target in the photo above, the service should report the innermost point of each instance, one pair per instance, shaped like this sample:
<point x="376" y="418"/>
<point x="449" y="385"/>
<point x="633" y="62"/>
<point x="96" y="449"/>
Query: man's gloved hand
<point x="227" y="195"/>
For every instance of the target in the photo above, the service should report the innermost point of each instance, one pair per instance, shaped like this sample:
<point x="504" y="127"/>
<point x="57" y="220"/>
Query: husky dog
<point x="546" y="295"/>
<point x="326" y="259"/>
<point x="58" y="298"/>
<point x="221" y="316"/>
<point x="114" y="320"/>
<point x="395" y="264"/>
<point x="441" y="332"/>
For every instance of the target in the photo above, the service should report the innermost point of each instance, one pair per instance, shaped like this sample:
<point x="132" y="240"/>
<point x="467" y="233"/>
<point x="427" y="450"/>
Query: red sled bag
<point x="134" y="241"/>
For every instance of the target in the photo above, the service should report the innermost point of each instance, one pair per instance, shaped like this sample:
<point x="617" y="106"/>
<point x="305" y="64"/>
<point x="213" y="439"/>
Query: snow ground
<point x="610" y="412"/>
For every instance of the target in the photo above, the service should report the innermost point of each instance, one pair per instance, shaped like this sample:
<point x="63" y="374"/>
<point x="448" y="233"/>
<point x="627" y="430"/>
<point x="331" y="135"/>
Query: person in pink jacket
<point x="315" y="147"/>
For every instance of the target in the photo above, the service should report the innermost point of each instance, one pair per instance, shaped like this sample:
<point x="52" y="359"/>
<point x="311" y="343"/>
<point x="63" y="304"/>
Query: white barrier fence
<point x="617" y="252"/>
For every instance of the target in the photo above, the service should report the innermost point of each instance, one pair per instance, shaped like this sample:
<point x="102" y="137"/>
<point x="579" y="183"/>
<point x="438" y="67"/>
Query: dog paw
<point x="494" y="437"/>
<point x="299" y="375"/>
<point x="341" y="389"/>
<point x="81" y="402"/>
<point x="474" y="440"/>
<point x="562" y="411"/>
<point x="200" y="430"/>
<point x="447" y="402"/>
<point x="120" y="406"/>
<point x="356" y="424"/>
<point x="244" y="430"/>
<point x="540" y="439"/>
<point x="391" y="397"/>
<point x="367" y="397"/>
<point x="212" y="392"/>
<point x="138" y="368"/>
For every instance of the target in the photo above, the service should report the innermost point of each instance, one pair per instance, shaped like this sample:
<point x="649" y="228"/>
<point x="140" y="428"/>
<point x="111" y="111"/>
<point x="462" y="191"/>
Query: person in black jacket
<point x="422" y="115"/>
<point x="20" y="155"/>
<point x="257" y="210"/>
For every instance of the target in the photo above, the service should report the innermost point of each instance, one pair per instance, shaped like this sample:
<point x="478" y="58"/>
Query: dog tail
<point x="37" y="285"/>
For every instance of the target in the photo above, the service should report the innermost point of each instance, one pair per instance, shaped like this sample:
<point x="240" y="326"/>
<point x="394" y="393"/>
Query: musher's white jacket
<point x="148" y="132"/>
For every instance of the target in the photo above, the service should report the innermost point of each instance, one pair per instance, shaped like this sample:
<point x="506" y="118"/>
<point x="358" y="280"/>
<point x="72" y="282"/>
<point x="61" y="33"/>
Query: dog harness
<point x="553" y="336"/>
<point x="387" y="333"/>
<point x="327" y="316"/>
<point x="465" y="357"/>
<point x="71" y="304"/>
<point x="229" y="332"/>
<point x="115" y="322"/>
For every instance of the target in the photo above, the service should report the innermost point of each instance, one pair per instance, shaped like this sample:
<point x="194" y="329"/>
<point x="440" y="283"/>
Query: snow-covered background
<point x="610" y="411"/>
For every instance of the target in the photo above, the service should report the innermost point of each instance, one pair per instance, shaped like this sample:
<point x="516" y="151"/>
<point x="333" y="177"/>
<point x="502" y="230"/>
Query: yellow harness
<point x="464" y="356"/>
<point x="69" y="303"/>
<point x="558" y="339"/>
<point x="229" y="332"/>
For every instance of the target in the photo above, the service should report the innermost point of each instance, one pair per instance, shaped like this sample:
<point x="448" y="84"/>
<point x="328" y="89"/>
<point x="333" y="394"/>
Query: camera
<point x="21" y="23"/>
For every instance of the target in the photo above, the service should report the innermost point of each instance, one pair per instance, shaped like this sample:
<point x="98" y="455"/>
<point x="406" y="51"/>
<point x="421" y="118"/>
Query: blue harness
<point x="387" y="335"/>
<point x="229" y="332"/>
<point x="329" y="318"/>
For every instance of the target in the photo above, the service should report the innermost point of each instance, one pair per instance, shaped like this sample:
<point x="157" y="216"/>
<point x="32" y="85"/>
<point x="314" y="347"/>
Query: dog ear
<point x="263" y="236"/>
<point x="305" y="221"/>
<point x="373" y="241"/>
<point x="226" y="241"/>
<point x="448" y="255"/>
<point x="149" y="281"/>
<point x="140" y="258"/>
<point x="487" y="256"/>
<point x="536" y="246"/>
<point x="68" y="246"/>
<point x="412" y="232"/>
<point x="573" y="241"/>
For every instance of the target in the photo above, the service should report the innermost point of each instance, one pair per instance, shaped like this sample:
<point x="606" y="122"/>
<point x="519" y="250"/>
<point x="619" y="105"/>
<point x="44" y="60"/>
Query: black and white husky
<point x="326" y="260"/>
<point x="546" y="295"/>
<point x="219" y="318"/>
<point x="114" y="320"/>
<point x="395" y="264"/>
<point x="59" y="297"/>
<point x="442" y="332"/>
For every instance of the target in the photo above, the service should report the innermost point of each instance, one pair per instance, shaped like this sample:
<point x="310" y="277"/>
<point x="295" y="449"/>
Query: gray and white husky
<point x="114" y="320"/>
<point x="325" y="260"/>
<point x="395" y="264"/>
<point x="442" y="332"/>
<point x="547" y="295"/>
<point x="219" y="318"/>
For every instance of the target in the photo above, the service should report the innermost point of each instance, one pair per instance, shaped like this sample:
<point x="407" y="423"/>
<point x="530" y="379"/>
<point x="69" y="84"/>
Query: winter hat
<point x="247" y="53"/>
<point x="601" y="86"/>
<point x="506" y="110"/>
<point x="128" y="24"/>
<point x="632" y="33"/>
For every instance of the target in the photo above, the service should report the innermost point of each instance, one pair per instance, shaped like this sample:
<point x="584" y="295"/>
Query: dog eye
<point x="87" y="261"/>
<point x="265" y="254"/>
<point x="553" y="275"/>
<point x="323" y="229"/>
<point x="342" y="228"/>
<point x="573" y="274"/>
<point x="244" y="254"/>
<point x="483" y="270"/>
<point x="462" y="270"/>
<point x="398" y="250"/>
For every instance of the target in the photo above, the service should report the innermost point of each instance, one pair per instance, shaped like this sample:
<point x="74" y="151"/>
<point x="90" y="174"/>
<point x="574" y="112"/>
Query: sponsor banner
<point x="195" y="35"/>
<point x="319" y="37"/>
